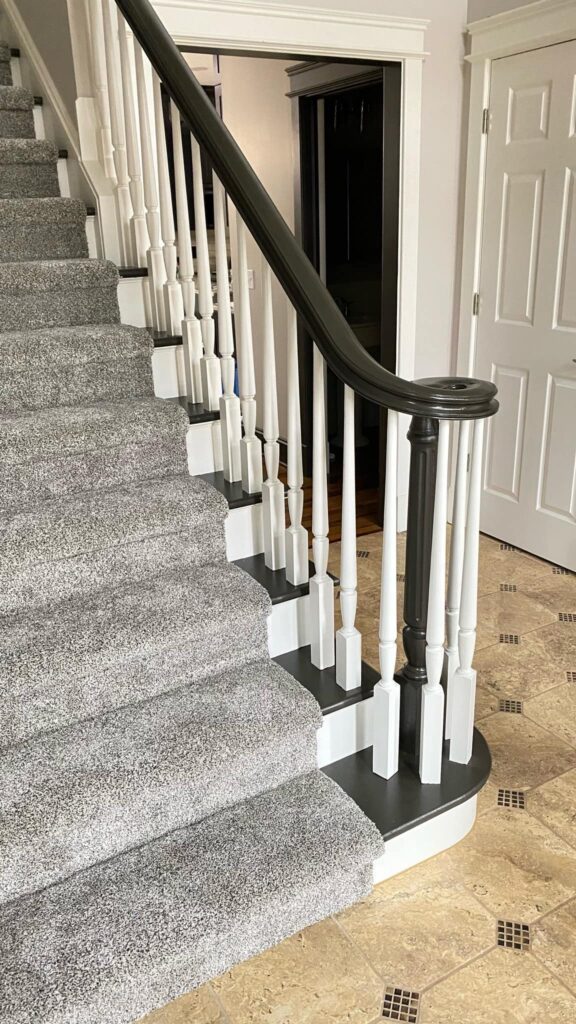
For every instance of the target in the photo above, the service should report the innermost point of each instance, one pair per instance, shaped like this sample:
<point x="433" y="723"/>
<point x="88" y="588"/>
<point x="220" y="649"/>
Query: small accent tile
<point x="509" y="638"/>
<point x="507" y="547"/>
<point x="363" y="554"/>
<point x="400" y="577"/>
<point x="515" y="799"/>
<point x="571" y="677"/>
<point x="508" y="588"/>
<point x="559" y="570"/>
<point x="567" y="616"/>
<point x="513" y="935"/>
<point x="401" y="1004"/>
<point x="511" y="707"/>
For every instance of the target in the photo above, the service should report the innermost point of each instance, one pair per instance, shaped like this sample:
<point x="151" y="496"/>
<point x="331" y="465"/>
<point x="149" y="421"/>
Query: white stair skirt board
<point x="168" y="371"/>
<point x="16" y="70"/>
<point x="38" y="115"/>
<point x="425" y="840"/>
<point x="94" y="248"/>
<point x="289" y="626"/>
<point x="244" y="533"/>
<point x="63" y="176"/>
<point x="345" y="732"/>
<point x="132" y="299"/>
<point x="199" y="443"/>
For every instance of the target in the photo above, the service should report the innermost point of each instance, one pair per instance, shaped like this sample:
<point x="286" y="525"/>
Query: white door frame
<point x="285" y="28"/>
<point x="544" y="23"/>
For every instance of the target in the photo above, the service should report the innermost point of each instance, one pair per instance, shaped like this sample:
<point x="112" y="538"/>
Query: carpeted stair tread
<point x="42" y="229"/>
<point x="51" y="293"/>
<point x="28" y="168"/>
<point x="74" y="366"/>
<point x="90" y="792"/>
<point x="126" y="936"/>
<point x="16" y="117"/>
<point x="53" y="452"/>
<point x="71" y="661"/>
<point x="71" y="547"/>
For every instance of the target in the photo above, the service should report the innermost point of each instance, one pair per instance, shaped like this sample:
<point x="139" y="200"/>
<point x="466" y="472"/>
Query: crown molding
<point x="543" y="23"/>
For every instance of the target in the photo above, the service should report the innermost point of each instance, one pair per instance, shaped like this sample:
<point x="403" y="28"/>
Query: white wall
<point x="258" y="113"/>
<point x="486" y="8"/>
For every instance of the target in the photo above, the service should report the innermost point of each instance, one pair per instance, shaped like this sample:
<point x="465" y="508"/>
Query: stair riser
<point x="48" y="478"/>
<point x="25" y="241"/>
<point x="25" y="311"/>
<point x="28" y="181"/>
<point x="5" y="73"/>
<point x="75" y="385"/>
<point x="16" y="124"/>
<point x="84" y="575"/>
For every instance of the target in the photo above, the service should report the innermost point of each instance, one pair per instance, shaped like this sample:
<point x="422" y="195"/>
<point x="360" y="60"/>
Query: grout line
<point x="456" y="970"/>
<point x="358" y="949"/>
<point x="550" y="828"/>
<point x="551" y="972"/>
<point x="226" y="1019"/>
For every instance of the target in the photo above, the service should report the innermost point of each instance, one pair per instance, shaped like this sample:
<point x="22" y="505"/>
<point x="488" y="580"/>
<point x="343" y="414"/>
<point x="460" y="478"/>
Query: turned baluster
<point x="322" y="651"/>
<point x="124" y="202"/>
<point x="386" y="710"/>
<point x="455" y="567"/>
<point x="132" y="146"/>
<point x="173" y="302"/>
<point x="348" y="637"/>
<point x="209" y="364"/>
<point x="250" y="445"/>
<point x="273" y="514"/>
<point x="101" y="86"/>
<point x="296" y="534"/>
<point x="464" y="680"/>
<point x="191" y="332"/>
<point x="230" y="423"/>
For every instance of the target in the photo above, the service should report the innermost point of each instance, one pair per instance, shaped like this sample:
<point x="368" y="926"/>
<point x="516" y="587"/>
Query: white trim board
<point x="531" y="27"/>
<point x="425" y="840"/>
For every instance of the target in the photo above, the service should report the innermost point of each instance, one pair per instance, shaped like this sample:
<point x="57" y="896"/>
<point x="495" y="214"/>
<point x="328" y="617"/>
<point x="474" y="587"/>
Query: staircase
<point x="161" y="813"/>
<point x="194" y="762"/>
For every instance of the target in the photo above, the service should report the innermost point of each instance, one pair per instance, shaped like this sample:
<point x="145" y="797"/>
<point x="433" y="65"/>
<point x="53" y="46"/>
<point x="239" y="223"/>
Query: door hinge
<point x="485" y="121"/>
<point x="475" y="303"/>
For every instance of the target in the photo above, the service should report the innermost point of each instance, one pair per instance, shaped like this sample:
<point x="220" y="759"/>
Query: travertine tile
<point x="523" y="671"/>
<point x="554" y="943"/>
<point x="554" y="803"/>
<point x="555" y="592"/>
<point x="524" y="754"/>
<point x="509" y="613"/>
<point x="487" y="798"/>
<point x="499" y="988"/>
<point x="515" y="866"/>
<point x="388" y="927"/>
<point x="197" y="1007"/>
<point x="556" y="711"/>
<point x="315" y="977"/>
<point x="496" y="566"/>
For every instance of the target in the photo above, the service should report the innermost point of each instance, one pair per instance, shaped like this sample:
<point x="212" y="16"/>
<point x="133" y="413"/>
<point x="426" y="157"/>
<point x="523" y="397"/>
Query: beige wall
<point x="486" y="8"/>
<point x="47" y="23"/>
<point x="259" y="115"/>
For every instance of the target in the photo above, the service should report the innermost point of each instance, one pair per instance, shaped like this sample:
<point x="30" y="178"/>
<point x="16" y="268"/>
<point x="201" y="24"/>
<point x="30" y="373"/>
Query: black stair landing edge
<point x="133" y="271"/>
<point x="322" y="682"/>
<point x="235" y="496"/>
<point x="62" y="154"/>
<point x="14" y="51"/>
<point x="402" y="802"/>
<point x="274" y="580"/>
<point x="196" y="411"/>
<point x="163" y="340"/>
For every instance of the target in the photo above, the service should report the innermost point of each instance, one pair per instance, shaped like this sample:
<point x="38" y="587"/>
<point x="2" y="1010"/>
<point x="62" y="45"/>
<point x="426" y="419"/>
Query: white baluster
<point x="321" y="585"/>
<point x="348" y="638"/>
<point x="452" y="659"/>
<point x="154" y="256"/>
<point x="172" y="290"/>
<point x="432" y="713"/>
<point x="250" y="445"/>
<point x="132" y="146"/>
<point x="191" y="332"/>
<point x="118" y="132"/>
<point x="230" y="424"/>
<point x="209" y="364"/>
<point x="296" y="534"/>
<point x="273" y="513"/>
<point x="464" y="681"/>
<point x="101" y="86"/>
<point x="386" y="707"/>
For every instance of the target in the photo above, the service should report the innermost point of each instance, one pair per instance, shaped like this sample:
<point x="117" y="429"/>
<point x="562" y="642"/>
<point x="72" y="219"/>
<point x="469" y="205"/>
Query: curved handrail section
<point x="446" y="398"/>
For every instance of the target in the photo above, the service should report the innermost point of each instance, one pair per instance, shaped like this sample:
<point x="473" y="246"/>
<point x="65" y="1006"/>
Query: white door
<point x="526" y="341"/>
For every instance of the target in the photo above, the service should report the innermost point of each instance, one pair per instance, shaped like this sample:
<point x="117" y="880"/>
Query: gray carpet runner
<point x="161" y="815"/>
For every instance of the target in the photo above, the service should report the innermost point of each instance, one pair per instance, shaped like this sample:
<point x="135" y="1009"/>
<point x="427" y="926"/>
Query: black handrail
<point x="447" y="398"/>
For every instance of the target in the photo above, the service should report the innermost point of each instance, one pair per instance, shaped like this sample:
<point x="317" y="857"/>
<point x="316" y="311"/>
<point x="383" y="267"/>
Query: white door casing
<point x="526" y="333"/>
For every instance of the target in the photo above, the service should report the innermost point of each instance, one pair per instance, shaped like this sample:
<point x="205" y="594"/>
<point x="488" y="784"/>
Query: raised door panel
<point x="506" y="433"/>
<point x="557" y="486"/>
<point x="518" y="251"/>
<point x="565" y="311"/>
<point x="528" y="113"/>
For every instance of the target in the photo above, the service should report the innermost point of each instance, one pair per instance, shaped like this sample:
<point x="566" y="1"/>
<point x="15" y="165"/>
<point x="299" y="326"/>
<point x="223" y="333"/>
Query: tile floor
<point x="423" y="947"/>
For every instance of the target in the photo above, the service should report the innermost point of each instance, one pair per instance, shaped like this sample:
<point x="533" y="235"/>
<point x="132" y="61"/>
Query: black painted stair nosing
<point x="235" y="496"/>
<point x="38" y="101"/>
<point x="196" y="411"/>
<point x="133" y="271"/>
<point x="321" y="683"/>
<point x="163" y="340"/>
<point x="399" y="804"/>
<point x="14" y="51"/>
<point x="62" y="154"/>
<point x="274" y="580"/>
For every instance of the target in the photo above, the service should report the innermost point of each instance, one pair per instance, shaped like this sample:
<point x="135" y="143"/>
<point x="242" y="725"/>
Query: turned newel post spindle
<point x="455" y="567"/>
<point x="273" y="512"/>
<point x="464" y="680"/>
<point x="432" y="713"/>
<point x="322" y="647"/>
<point x="423" y="437"/>
<point x="296" y="534"/>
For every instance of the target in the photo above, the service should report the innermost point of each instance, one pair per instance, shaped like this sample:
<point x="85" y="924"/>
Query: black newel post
<point x="423" y="437"/>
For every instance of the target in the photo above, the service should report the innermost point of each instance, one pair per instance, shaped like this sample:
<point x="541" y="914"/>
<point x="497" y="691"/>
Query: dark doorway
<point x="349" y="138"/>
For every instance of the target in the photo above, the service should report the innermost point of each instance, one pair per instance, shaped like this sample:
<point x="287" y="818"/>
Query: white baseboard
<point x="244" y="535"/>
<point x="289" y="626"/>
<point x="345" y="732"/>
<point x="426" y="840"/>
